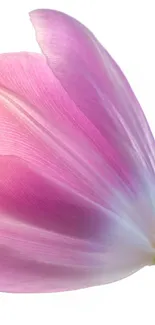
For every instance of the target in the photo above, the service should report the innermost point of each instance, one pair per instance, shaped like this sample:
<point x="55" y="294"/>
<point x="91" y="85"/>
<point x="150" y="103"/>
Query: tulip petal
<point x="94" y="82"/>
<point x="114" y="120"/>
<point x="72" y="178"/>
<point x="56" y="231"/>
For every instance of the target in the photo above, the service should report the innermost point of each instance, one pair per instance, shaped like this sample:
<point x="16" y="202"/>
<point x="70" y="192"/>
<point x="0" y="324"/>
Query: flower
<point x="77" y="165"/>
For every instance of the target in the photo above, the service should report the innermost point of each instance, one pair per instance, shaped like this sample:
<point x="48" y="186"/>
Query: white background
<point x="127" y="29"/>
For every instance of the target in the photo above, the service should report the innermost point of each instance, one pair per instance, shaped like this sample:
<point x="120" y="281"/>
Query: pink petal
<point x="109" y="113"/>
<point x="70" y="205"/>
<point x="96" y="85"/>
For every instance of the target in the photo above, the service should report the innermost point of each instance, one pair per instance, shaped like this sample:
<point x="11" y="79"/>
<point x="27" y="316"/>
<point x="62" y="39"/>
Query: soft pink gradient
<point x="77" y="165"/>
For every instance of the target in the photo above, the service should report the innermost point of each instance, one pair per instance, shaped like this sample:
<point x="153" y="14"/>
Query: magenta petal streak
<point x="77" y="165"/>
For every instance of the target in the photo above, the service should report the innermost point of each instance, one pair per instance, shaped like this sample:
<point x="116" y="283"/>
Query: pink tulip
<point x="77" y="165"/>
